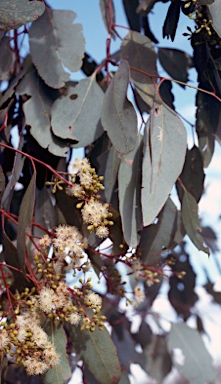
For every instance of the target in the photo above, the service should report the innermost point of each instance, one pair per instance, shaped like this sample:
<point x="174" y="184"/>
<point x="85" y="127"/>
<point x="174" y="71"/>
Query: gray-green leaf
<point x="139" y="51"/>
<point x="60" y="372"/>
<point x="15" y="13"/>
<point x="98" y="352"/>
<point x="56" y="42"/>
<point x="191" y="221"/>
<point x="118" y="115"/>
<point x="194" y="362"/>
<point x="129" y="181"/>
<point x="37" y="110"/>
<point x="164" y="155"/>
<point x="76" y="116"/>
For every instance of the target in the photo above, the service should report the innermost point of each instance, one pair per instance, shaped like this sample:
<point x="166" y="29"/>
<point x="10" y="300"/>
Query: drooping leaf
<point x="56" y="42"/>
<point x="125" y="346"/>
<point x="215" y="12"/>
<point x="116" y="234"/>
<point x="143" y="335"/>
<point x="11" y="257"/>
<point x="138" y="50"/>
<point x="147" y="31"/>
<point x="109" y="164"/>
<point x="44" y="212"/>
<point x="96" y="349"/>
<point x="192" y="175"/>
<point x="193" y="361"/>
<point x="162" y="236"/>
<point x="129" y="191"/>
<point x="25" y="221"/>
<point x="171" y="21"/>
<point x="6" y="58"/>
<point x="118" y="115"/>
<point x="210" y="238"/>
<point x="165" y="91"/>
<point x="67" y="205"/>
<point x="37" y="111"/>
<point x="60" y="372"/>
<point x="15" y="13"/>
<point x="130" y="7"/>
<point x="191" y="221"/>
<point x="159" y="362"/>
<point x="108" y="14"/>
<point x="78" y="113"/>
<point x="207" y="122"/>
<point x="164" y="154"/>
<point x="176" y="63"/>
<point x="181" y="293"/>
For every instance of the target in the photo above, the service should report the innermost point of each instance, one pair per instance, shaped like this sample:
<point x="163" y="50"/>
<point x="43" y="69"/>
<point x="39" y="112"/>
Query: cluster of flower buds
<point x="85" y="187"/>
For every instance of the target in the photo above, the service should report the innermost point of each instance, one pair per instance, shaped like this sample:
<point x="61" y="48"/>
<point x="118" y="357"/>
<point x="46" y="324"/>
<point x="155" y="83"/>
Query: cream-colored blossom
<point x="51" y="357"/>
<point x="39" y="336"/>
<point x="86" y="179"/>
<point x="81" y="165"/>
<point x="22" y="334"/>
<point x="4" y="340"/>
<point x="94" y="299"/>
<point x="34" y="366"/>
<point x="75" y="190"/>
<point x="94" y="212"/>
<point x="46" y="297"/>
<point x="139" y="294"/>
<point x="45" y="241"/>
<point x="102" y="232"/>
<point x="74" y="318"/>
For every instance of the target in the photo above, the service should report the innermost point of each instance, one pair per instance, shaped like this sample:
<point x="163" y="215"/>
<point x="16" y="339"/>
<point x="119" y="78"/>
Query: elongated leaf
<point x="109" y="164"/>
<point x="15" y="13"/>
<point x="129" y="182"/>
<point x="138" y="50"/>
<point x="159" y="362"/>
<point x="56" y="42"/>
<point x="98" y="352"/>
<point x="10" y="256"/>
<point x="125" y="347"/>
<point x="192" y="175"/>
<point x="164" y="154"/>
<point x="6" y="58"/>
<point x="9" y="190"/>
<point x="130" y="7"/>
<point x="176" y="63"/>
<point x="108" y="14"/>
<point x="164" y="235"/>
<point x="78" y="113"/>
<point x="181" y="294"/>
<point x="37" y="113"/>
<point x="191" y="221"/>
<point x="207" y="122"/>
<point x="193" y="361"/>
<point x="215" y="12"/>
<point x="172" y="18"/>
<point x="118" y="115"/>
<point x="44" y="212"/>
<point x="60" y="372"/>
<point x="25" y="221"/>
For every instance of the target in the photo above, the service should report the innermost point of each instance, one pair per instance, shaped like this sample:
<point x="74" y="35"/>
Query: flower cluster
<point x="85" y="187"/>
<point x="28" y="345"/>
<point x="69" y="242"/>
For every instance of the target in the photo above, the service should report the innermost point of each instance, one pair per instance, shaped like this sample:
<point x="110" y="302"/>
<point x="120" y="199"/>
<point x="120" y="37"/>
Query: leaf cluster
<point x="125" y="120"/>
